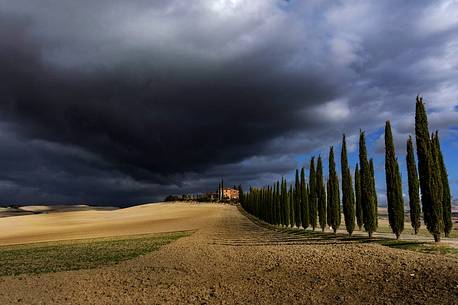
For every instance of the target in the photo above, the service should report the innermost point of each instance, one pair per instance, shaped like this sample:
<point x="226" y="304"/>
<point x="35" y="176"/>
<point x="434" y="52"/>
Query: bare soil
<point x="231" y="260"/>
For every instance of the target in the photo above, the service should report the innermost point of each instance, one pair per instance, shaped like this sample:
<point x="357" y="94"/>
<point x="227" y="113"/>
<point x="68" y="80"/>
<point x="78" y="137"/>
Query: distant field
<point x="11" y="211"/>
<point x="79" y="254"/>
<point x="92" y="222"/>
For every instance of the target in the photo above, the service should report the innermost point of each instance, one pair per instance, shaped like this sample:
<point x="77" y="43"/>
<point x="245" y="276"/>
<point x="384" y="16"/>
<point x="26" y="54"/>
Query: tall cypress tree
<point x="282" y="204"/>
<point x="222" y="189"/>
<point x="313" y="198"/>
<point x="374" y="191"/>
<point x="367" y="196"/>
<point x="291" y="205"/>
<point x="304" y="201"/>
<point x="437" y="176"/>
<point x="271" y="200"/>
<point x="274" y="204"/>
<point x="287" y="218"/>
<point x="297" y="200"/>
<point x="333" y="194"/>
<point x="358" y="205"/>
<point x="328" y="203"/>
<point x="393" y="185"/>
<point x="292" y="212"/>
<point x="267" y="204"/>
<point x="321" y="193"/>
<point x="277" y="199"/>
<point x="219" y="191"/>
<point x="446" y="196"/>
<point x="271" y="204"/>
<point x="431" y="204"/>
<point x="240" y="194"/>
<point x="348" y="197"/>
<point x="414" y="195"/>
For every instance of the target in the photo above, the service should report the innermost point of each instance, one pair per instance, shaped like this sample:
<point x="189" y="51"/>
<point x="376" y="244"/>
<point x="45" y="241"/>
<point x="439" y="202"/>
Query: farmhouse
<point x="230" y="193"/>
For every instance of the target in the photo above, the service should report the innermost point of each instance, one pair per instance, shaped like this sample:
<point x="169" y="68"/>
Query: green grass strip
<point x="79" y="254"/>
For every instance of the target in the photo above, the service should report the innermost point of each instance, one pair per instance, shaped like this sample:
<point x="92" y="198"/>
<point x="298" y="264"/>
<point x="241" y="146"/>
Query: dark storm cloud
<point x="121" y="102"/>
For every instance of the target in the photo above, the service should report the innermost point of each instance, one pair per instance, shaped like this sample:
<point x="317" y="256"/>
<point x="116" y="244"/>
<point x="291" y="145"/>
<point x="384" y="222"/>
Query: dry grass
<point x="95" y="223"/>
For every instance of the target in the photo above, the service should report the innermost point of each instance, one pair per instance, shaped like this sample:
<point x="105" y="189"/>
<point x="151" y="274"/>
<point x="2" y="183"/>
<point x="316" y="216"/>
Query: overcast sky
<point x="120" y="102"/>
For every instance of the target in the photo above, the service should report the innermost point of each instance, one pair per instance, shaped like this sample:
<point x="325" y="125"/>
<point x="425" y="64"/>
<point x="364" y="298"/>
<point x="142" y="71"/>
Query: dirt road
<point x="230" y="260"/>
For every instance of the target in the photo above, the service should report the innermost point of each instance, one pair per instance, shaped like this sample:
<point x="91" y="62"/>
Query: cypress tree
<point x="348" y="197"/>
<point x="304" y="201"/>
<point x="358" y="206"/>
<point x="292" y="212"/>
<point x="321" y="194"/>
<point x="393" y="185"/>
<point x="414" y="195"/>
<point x="264" y="204"/>
<point x="285" y="204"/>
<point x="297" y="199"/>
<point x="333" y="193"/>
<point x="367" y="196"/>
<point x="431" y="204"/>
<point x="313" y="198"/>
<point x="328" y="203"/>
<point x="288" y="206"/>
<point x="240" y="194"/>
<point x="291" y="205"/>
<point x="268" y="203"/>
<point x="446" y="196"/>
<point x="222" y="189"/>
<point x="274" y="203"/>
<point x="253" y="202"/>
<point x="219" y="191"/>
<point x="258" y="203"/>
<point x="437" y="169"/>
<point x="374" y="191"/>
<point x="281" y="203"/>
<point x="307" y="192"/>
<point x="277" y="199"/>
<point x="437" y="175"/>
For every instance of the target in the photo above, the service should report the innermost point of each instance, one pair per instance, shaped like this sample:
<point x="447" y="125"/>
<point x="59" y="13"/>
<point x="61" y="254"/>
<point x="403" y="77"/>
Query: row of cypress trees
<point x="316" y="203"/>
<point x="433" y="180"/>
